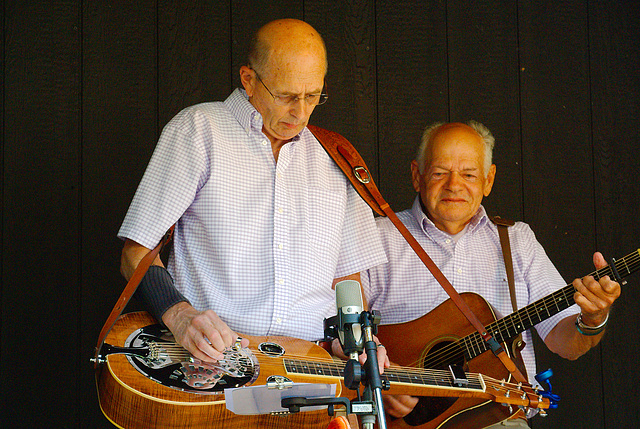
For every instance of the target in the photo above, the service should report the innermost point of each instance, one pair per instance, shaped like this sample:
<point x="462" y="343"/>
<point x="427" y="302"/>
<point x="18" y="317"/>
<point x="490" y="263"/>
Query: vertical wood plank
<point x="40" y="214"/>
<point x="120" y="118"/>
<point x="558" y="175"/>
<point x="484" y="86"/>
<point x="348" y="29"/>
<point x="247" y="16"/>
<point x="614" y="29"/>
<point x="412" y="88"/>
<point x="194" y="54"/>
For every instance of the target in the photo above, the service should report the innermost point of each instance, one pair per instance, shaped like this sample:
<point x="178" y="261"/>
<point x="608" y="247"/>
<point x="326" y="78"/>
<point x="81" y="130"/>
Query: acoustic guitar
<point x="146" y="380"/>
<point x="444" y="337"/>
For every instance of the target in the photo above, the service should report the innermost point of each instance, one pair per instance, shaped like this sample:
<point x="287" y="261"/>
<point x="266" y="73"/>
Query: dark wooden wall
<point x="88" y="85"/>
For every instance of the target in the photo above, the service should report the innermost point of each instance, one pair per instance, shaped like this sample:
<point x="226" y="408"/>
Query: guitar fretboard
<point x="534" y="313"/>
<point x="428" y="378"/>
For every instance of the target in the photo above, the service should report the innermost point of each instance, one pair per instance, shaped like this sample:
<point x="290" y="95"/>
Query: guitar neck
<point x="430" y="382"/>
<point x="534" y="313"/>
<point x="407" y="375"/>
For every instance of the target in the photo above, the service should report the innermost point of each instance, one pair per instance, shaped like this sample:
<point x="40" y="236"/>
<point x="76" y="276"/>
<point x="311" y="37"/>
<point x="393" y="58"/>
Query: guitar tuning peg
<point x="543" y="413"/>
<point x="524" y="395"/>
<point x="519" y="385"/>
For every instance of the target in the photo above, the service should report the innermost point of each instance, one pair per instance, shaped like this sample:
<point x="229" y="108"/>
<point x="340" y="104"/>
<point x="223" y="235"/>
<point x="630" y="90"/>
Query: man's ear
<point x="247" y="78"/>
<point x="488" y="183"/>
<point x="415" y="175"/>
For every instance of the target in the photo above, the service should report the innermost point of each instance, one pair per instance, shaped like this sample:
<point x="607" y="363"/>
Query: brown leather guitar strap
<point x="352" y="164"/>
<point x="503" y="233"/>
<point x="129" y="290"/>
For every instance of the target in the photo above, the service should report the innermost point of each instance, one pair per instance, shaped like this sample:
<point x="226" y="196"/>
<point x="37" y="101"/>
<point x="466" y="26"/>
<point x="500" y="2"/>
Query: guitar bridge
<point x="279" y="382"/>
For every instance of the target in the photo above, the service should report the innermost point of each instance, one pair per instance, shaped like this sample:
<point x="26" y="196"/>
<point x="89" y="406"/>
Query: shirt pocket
<point x="326" y="211"/>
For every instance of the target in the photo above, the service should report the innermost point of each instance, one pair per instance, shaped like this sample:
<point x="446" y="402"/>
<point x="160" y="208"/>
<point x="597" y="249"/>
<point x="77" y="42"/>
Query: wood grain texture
<point x="247" y="16"/>
<point x="484" y="86"/>
<point x="87" y="85"/>
<point x="558" y="173"/>
<point x="41" y="214"/>
<point x="131" y="400"/>
<point x="194" y="54"/>
<point x="119" y="126"/>
<point x="412" y="88"/>
<point x="614" y="29"/>
<point x="348" y="29"/>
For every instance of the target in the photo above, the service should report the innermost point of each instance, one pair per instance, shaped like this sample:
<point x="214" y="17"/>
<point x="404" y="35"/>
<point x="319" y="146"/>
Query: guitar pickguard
<point x="168" y="364"/>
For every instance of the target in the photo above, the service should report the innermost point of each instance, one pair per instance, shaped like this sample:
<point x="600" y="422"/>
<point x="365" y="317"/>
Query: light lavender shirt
<point x="259" y="242"/>
<point x="403" y="289"/>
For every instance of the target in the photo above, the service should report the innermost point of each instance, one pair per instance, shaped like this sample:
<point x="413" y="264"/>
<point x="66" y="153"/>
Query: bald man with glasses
<point x="266" y="223"/>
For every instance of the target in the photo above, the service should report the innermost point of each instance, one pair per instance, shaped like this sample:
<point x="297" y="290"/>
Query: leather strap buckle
<point x="362" y="174"/>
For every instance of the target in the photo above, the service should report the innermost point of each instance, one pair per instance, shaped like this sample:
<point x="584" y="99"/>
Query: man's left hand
<point x="596" y="297"/>
<point x="383" y="359"/>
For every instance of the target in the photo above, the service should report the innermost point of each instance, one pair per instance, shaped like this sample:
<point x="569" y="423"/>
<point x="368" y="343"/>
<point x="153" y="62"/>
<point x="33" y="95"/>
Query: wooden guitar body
<point x="429" y="342"/>
<point x="131" y="400"/>
<point x="149" y="381"/>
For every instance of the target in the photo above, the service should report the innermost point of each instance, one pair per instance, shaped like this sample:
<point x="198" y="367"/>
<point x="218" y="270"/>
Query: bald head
<point x="280" y="43"/>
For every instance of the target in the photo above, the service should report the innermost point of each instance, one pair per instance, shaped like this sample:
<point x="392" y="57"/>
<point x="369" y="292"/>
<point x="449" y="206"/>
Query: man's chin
<point x="289" y="133"/>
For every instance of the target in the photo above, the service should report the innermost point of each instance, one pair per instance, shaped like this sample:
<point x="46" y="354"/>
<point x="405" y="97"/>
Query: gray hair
<point x="483" y="132"/>
<point x="258" y="54"/>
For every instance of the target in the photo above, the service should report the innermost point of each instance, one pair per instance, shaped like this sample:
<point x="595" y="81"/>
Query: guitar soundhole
<point x="439" y="356"/>
<point x="271" y="349"/>
<point x="172" y="366"/>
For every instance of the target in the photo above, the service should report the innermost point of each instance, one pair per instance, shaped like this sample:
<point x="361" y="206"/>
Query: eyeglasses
<point x="288" y="100"/>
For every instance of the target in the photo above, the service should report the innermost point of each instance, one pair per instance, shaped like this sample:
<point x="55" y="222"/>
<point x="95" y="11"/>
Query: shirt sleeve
<point x="177" y="169"/>
<point x="541" y="276"/>
<point x="361" y="245"/>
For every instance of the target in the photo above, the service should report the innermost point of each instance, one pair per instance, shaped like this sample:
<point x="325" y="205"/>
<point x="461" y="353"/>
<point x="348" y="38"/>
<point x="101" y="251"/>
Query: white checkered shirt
<point x="403" y="289"/>
<point x="259" y="242"/>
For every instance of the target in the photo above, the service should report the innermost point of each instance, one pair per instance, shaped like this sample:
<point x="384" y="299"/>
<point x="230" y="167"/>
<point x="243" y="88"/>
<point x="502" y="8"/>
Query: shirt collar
<point x="429" y="228"/>
<point x="247" y="115"/>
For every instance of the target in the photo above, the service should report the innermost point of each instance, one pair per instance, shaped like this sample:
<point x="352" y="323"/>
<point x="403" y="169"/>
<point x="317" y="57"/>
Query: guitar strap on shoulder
<point x="503" y="232"/>
<point x="128" y="292"/>
<point x="354" y="167"/>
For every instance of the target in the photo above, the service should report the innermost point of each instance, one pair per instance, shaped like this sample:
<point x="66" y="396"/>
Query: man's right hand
<point x="399" y="406"/>
<point x="202" y="333"/>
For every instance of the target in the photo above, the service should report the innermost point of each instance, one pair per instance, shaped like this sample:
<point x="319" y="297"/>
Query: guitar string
<point x="415" y="376"/>
<point x="629" y="263"/>
<point x="407" y="373"/>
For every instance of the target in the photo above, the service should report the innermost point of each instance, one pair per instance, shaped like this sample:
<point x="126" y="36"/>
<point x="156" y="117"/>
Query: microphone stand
<point x="370" y="404"/>
<point x="372" y="381"/>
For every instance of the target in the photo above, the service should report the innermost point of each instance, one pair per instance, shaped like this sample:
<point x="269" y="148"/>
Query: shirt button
<point x="459" y="270"/>
<point x="447" y="241"/>
<point x="264" y="142"/>
<point x="280" y="246"/>
<point x="280" y="210"/>
<point x="278" y="320"/>
<point x="281" y="281"/>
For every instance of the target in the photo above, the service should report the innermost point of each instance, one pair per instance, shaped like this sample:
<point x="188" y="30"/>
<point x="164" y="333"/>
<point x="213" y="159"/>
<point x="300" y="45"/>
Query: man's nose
<point x="300" y="108"/>
<point x="455" y="181"/>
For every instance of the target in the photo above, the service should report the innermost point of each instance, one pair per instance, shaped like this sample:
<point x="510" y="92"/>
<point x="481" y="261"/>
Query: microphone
<point x="349" y="305"/>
